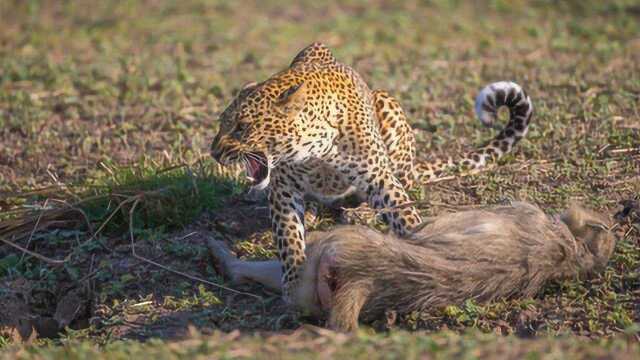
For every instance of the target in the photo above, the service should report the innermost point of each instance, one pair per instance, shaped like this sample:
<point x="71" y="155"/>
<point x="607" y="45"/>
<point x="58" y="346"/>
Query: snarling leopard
<point x="316" y="130"/>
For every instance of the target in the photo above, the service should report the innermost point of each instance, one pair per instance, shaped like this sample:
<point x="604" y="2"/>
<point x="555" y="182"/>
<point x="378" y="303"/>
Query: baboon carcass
<point x="506" y="251"/>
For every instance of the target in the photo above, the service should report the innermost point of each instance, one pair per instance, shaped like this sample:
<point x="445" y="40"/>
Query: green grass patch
<point x="169" y="198"/>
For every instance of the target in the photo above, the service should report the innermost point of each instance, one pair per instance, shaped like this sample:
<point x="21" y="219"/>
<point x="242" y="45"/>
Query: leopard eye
<point x="240" y="127"/>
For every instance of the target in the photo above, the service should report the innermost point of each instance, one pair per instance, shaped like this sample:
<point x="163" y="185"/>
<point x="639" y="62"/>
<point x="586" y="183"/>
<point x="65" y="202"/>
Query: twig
<point x="187" y="236"/>
<point x="624" y="151"/>
<point x="104" y="223"/>
<point x="142" y="303"/>
<point x="443" y="178"/>
<point x="602" y="149"/>
<point x="36" y="255"/>
<point x="180" y="273"/>
<point x="25" y="250"/>
<point x="35" y="227"/>
<point x="89" y="226"/>
<point x="56" y="262"/>
<point x="171" y="168"/>
<point x="82" y="212"/>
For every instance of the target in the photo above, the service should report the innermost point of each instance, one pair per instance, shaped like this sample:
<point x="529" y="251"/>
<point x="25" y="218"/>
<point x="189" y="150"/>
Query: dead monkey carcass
<point x="507" y="251"/>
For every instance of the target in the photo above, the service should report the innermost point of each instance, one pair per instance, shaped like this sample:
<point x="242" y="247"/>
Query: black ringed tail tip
<point x="511" y="95"/>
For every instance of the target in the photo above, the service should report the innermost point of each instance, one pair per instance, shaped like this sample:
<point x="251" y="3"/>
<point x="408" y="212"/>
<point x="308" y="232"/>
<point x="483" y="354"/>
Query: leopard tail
<point x="489" y="100"/>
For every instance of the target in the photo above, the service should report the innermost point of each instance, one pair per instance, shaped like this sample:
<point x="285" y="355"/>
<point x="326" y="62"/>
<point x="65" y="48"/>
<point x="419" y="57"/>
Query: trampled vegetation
<point x="107" y="191"/>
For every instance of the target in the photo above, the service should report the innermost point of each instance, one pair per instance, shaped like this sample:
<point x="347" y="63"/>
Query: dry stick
<point x="624" y="151"/>
<point x="39" y="191"/>
<point x="84" y="215"/>
<point x="104" y="223"/>
<point x="89" y="226"/>
<point x="164" y="267"/>
<point x="54" y="262"/>
<point x="50" y="261"/>
<point x="82" y="212"/>
<point x="35" y="227"/>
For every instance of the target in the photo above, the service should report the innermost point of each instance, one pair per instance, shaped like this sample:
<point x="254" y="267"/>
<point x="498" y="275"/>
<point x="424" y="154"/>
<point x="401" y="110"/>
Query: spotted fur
<point x="320" y="132"/>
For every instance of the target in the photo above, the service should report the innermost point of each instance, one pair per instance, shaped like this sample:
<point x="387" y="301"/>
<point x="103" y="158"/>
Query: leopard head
<point x="261" y="128"/>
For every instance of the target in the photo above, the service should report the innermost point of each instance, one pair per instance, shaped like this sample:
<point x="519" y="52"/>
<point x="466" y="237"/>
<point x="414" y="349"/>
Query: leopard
<point x="316" y="131"/>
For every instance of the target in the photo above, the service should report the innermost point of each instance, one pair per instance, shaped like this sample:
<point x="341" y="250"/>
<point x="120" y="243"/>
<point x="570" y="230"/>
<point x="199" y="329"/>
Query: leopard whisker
<point x="257" y="159"/>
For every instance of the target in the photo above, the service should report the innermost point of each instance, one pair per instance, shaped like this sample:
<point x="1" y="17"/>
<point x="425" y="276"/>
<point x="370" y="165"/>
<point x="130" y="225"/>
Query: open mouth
<point x="257" y="170"/>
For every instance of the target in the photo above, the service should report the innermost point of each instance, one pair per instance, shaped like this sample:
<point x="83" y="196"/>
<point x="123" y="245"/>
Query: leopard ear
<point x="293" y="99"/>
<point x="249" y="86"/>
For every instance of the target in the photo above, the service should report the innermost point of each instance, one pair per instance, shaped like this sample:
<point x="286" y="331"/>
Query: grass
<point x="304" y="344"/>
<point x="174" y="197"/>
<point x="108" y="104"/>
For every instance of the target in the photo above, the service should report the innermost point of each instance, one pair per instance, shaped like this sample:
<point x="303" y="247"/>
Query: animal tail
<point x="489" y="100"/>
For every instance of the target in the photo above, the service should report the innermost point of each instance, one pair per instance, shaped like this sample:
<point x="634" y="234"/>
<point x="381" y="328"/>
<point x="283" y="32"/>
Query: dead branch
<point x="136" y="200"/>
<point x="50" y="261"/>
